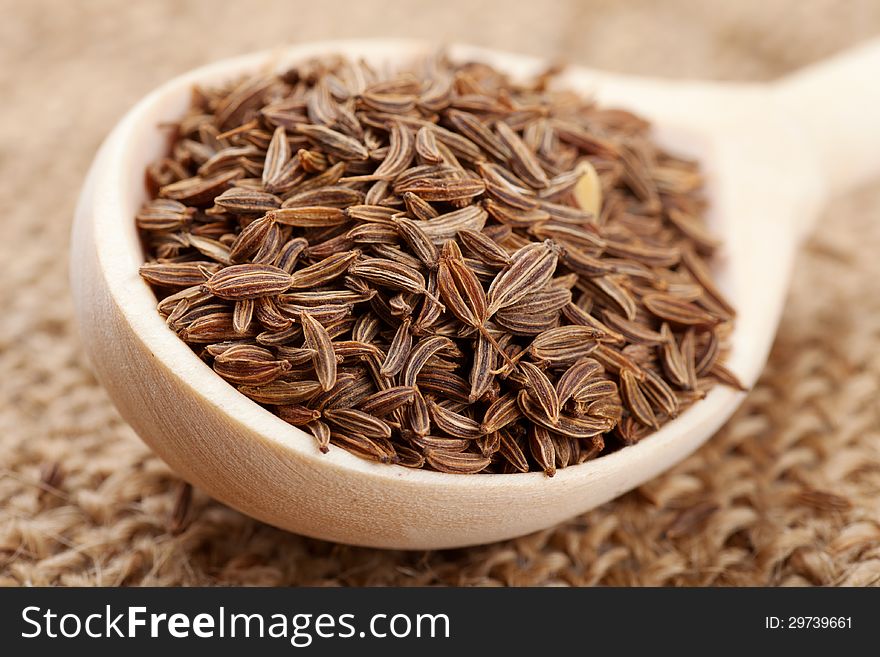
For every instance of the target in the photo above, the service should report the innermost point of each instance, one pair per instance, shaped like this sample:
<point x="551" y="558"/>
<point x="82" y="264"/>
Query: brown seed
<point x="389" y="274"/>
<point x="177" y="274"/>
<point x="401" y="150"/>
<point x="277" y="156"/>
<point x="282" y="392"/>
<point x="635" y="399"/>
<point x="309" y="216"/>
<point x="447" y="226"/>
<point x="369" y="448"/>
<point x="297" y="414"/>
<point x="483" y="368"/>
<point x="502" y="412"/>
<point x="565" y="425"/>
<point x="250" y="239"/>
<point x="424" y="349"/>
<point x="418" y="240"/>
<point x="384" y="402"/>
<point x="333" y="196"/>
<point x="163" y="215"/>
<point x="240" y="200"/>
<point x="335" y="143"/>
<point x="511" y="450"/>
<point x="475" y="130"/>
<point x="324" y="271"/>
<point x="289" y="254"/>
<point x="350" y="419"/>
<point x="677" y="311"/>
<point x="426" y="146"/>
<point x="530" y="268"/>
<point x="249" y="365"/>
<point x="453" y="424"/>
<point x="484" y="248"/>
<point x="418" y="207"/>
<point x="398" y="352"/>
<point x="543" y="449"/>
<point x="418" y="415"/>
<point x="523" y="160"/>
<point x="439" y="189"/>
<point x="242" y="315"/>
<point x="456" y="463"/>
<point x="564" y="345"/>
<point x="541" y="389"/>
<point x="248" y="281"/>
<point x="317" y="339"/>
<point x="198" y="190"/>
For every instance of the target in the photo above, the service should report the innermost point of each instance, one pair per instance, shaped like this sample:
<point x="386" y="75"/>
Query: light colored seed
<point x="588" y="189"/>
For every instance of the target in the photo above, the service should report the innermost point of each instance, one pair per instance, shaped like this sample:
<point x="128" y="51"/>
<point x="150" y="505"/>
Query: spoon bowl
<point x="769" y="167"/>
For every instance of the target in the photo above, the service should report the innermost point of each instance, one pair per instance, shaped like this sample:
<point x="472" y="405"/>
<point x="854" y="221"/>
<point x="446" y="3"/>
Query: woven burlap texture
<point x="787" y="493"/>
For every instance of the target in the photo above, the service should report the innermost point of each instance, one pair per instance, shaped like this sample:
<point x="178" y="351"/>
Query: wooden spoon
<point x="772" y="154"/>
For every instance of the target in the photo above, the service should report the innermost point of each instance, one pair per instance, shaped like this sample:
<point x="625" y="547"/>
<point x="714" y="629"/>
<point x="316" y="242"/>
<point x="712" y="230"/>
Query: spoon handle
<point x="837" y="102"/>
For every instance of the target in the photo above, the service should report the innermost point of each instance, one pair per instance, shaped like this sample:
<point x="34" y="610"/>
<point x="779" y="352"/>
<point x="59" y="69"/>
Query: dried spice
<point x="451" y="270"/>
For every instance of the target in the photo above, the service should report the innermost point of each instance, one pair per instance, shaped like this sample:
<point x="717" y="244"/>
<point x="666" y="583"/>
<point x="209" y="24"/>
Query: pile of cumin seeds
<point x="439" y="267"/>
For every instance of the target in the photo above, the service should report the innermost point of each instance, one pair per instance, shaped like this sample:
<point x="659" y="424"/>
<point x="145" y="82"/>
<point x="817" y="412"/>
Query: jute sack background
<point x="788" y="493"/>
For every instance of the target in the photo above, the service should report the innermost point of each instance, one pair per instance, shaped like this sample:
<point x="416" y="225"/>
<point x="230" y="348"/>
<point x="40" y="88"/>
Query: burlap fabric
<point x="787" y="493"/>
